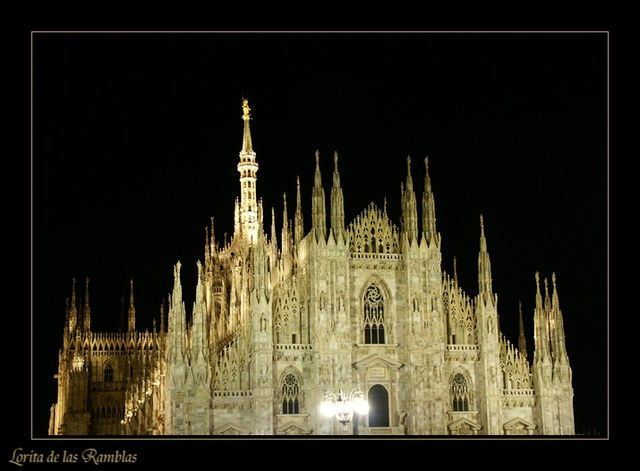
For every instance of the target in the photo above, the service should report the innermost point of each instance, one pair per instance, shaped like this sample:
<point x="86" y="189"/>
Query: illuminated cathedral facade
<point x="275" y="327"/>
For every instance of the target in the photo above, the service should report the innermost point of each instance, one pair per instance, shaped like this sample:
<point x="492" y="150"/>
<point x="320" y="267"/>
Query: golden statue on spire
<point x="245" y="107"/>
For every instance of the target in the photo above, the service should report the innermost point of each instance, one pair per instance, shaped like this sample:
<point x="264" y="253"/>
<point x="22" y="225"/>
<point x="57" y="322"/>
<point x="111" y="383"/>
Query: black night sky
<point x="136" y="136"/>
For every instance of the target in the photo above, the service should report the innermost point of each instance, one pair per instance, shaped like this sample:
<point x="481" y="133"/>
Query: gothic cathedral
<point x="362" y="306"/>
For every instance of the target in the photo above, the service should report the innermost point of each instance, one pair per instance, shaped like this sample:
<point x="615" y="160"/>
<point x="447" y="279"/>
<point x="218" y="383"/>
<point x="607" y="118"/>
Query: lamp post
<point x="342" y="406"/>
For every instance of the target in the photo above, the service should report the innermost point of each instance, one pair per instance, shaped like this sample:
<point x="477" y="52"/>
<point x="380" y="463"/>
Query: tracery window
<point x="373" y="319"/>
<point x="460" y="393"/>
<point x="290" y="395"/>
<point x="108" y="373"/>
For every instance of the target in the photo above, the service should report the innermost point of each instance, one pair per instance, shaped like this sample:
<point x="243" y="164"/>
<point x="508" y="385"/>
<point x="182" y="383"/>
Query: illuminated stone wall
<point x="280" y="319"/>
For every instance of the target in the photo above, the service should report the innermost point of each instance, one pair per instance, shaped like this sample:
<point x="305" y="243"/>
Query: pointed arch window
<point x="290" y="395"/>
<point x="373" y="316"/>
<point x="460" y="393"/>
<point x="108" y="373"/>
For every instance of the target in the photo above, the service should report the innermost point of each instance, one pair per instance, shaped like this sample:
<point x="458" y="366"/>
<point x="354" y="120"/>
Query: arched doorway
<point x="378" y="406"/>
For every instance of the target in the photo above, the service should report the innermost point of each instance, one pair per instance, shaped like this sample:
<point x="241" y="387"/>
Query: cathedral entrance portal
<point x="378" y="406"/>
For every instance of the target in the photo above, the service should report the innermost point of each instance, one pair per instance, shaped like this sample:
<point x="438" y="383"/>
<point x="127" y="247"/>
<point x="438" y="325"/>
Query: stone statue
<point x="402" y="417"/>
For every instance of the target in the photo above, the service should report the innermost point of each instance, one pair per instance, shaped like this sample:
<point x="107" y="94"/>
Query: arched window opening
<point x="290" y="395"/>
<point x="460" y="393"/>
<point x="378" y="406"/>
<point x="108" y="373"/>
<point x="373" y="318"/>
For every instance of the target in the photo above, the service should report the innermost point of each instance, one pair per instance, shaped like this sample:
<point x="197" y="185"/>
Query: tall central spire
<point x="248" y="168"/>
<point x="484" y="267"/>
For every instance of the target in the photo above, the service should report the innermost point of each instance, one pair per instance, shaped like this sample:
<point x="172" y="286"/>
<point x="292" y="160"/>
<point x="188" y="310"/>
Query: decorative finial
<point x="245" y="107"/>
<point x="131" y="294"/>
<point x="537" y="277"/>
<point x="317" y="157"/>
<point x="455" y="271"/>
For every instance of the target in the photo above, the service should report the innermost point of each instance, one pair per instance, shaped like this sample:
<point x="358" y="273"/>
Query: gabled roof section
<point x="519" y="422"/>
<point x="293" y="428"/>
<point x="464" y="423"/>
<point x="378" y="360"/>
<point x="373" y="232"/>
<point x="231" y="429"/>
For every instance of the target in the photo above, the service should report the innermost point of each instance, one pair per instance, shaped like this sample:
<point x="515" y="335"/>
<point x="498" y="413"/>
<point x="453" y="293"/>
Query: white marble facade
<point x="277" y="324"/>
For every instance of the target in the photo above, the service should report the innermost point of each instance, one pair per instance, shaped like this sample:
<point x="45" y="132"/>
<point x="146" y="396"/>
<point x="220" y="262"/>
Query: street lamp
<point x="343" y="407"/>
